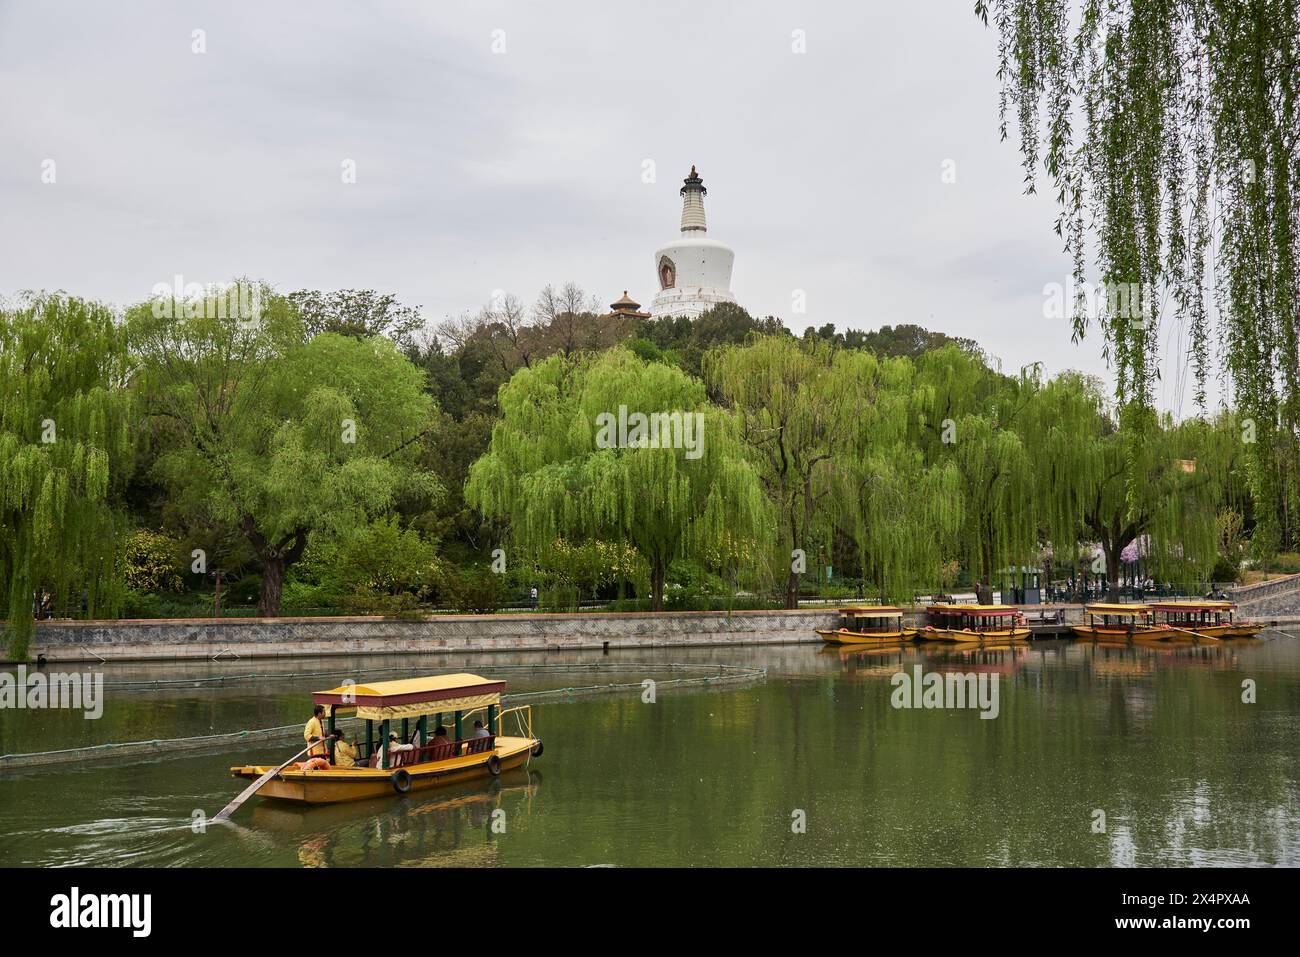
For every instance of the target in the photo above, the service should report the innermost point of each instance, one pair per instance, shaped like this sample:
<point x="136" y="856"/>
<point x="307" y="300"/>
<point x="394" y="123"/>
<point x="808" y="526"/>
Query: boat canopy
<point x="412" y="697"/>
<point x="872" y="611"/>
<point x="1192" y="605"/>
<point x="988" y="611"/>
<point x="1104" y="609"/>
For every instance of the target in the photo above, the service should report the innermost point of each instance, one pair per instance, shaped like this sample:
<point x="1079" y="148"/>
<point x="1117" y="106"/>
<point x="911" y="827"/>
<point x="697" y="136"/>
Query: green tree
<point x="276" y="434"/>
<point x="557" y="469"/>
<point x="64" y="430"/>
<point x="360" y="313"/>
<point x="967" y="417"/>
<point x="805" y="410"/>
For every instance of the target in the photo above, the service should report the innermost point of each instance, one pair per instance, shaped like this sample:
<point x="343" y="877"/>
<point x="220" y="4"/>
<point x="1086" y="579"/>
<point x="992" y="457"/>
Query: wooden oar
<point x="249" y="791"/>
<point x="1194" y="634"/>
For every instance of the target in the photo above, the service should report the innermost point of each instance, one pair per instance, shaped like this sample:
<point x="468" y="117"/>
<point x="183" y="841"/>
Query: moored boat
<point x="417" y="761"/>
<point x="1193" y="620"/>
<point x="1120" y="624"/>
<point x="867" y="624"/>
<point x="975" y="623"/>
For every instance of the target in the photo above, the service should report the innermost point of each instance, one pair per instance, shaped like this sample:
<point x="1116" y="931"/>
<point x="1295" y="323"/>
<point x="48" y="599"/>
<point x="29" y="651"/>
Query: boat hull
<point x="843" y="637"/>
<point x="968" y="637"/>
<point x="1147" y="633"/>
<point x="356" y="784"/>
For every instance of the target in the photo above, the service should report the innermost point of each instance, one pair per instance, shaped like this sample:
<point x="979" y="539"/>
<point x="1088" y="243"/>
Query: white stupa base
<point x="692" y="301"/>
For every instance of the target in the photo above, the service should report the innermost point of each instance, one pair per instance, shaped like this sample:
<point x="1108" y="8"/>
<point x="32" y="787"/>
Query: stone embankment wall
<point x="232" y="638"/>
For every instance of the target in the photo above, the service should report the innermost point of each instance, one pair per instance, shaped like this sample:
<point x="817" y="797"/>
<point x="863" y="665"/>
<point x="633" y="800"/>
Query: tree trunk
<point x="1112" y="553"/>
<point x="657" y="585"/>
<point x="792" y="589"/>
<point x="268" y="605"/>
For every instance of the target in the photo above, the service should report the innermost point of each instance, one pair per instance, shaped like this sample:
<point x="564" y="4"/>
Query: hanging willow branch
<point x="1184" y="166"/>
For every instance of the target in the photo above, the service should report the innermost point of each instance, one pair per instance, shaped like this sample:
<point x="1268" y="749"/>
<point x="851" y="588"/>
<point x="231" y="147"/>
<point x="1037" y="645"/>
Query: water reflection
<point x="1158" y="737"/>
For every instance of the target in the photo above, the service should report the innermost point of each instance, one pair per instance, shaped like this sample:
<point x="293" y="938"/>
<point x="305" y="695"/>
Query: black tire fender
<point x="401" y="780"/>
<point x="537" y="749"/>
<point x="493" y="765"/>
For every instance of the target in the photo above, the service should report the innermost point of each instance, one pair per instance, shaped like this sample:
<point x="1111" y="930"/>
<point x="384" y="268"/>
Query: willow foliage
<point x="548" y="472"/>
<point x="64" y="431"/>
<point x="276" y="435"/>
<point x="803" y="410"/>
<point x="1171" y="128"/>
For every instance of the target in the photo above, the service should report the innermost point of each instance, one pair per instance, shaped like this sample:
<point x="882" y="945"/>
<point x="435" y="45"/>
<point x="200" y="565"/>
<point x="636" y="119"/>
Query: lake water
<point x="810" y="764"/>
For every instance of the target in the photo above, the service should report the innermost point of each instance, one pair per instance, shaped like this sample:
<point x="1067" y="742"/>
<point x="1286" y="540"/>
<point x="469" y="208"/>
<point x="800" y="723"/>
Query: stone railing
<point x="1277" y="596"/>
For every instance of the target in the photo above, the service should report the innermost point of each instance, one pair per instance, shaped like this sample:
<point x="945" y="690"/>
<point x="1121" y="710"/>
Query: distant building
<point x="625" y="308"/>
<point x="694" y="271"/>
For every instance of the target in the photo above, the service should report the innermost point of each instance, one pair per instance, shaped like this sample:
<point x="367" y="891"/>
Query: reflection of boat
<point x="975" y="624"/>
<point x="1192" y="620"/>
<point x="864" y="624"/>
<point x="385" y="771"/>
<point x="1120" y="624"/>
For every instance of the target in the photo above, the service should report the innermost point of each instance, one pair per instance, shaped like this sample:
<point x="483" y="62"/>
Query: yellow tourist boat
<point x="1191" y="620"/>
<point x="418" y="761"/>
<point x="975" y="623"/>
<point x="867" y="624"/>
<point x="1120" y="623"/>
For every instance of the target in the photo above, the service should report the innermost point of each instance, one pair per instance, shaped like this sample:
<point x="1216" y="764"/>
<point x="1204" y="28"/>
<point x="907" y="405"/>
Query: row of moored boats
<point x="1156" y="621"/>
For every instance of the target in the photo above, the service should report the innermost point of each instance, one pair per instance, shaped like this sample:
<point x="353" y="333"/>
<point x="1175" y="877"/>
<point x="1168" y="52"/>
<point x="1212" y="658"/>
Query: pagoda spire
<point x="693" y="194"/>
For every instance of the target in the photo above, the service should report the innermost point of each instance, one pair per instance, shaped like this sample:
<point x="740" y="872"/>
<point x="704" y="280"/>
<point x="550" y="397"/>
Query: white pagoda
<point x="694" y="271"/>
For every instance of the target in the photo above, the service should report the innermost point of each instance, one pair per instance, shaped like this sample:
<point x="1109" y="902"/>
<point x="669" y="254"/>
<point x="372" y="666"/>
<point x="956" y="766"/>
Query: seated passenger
<point x="480" y="731"/>
<point x="439" y="739"/>
<point x="393" y="747"/>
<point x="345" y="754"/>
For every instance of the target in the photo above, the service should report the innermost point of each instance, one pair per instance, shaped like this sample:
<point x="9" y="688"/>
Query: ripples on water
<point x="1157" y="739"/>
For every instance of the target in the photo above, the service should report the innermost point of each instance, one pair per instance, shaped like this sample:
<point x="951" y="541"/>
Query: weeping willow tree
<point x="802" y="406"/>
<point x="64" y="430"/>
<point x="901" y="513"/>
<point x="965" y="417"/>
<point x="1185" y="471"/>
<point x="570" y="459"/>
<point x="1171" y="128"/>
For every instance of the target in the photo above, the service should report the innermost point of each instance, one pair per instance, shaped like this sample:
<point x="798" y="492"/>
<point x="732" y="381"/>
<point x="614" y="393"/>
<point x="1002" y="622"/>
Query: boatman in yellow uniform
<point x="314" y="734"/>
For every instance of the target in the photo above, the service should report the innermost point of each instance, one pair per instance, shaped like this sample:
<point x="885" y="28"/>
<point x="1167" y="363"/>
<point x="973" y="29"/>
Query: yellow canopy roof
<point x="975" y="609"/>
<point x="1110" y="609"/>
<point x="866" y="611"/>
<point x="414" y="696"/>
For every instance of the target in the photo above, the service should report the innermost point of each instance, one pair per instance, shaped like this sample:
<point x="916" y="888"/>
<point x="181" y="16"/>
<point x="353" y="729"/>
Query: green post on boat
<point x="493" y="721"/>
<point x="423" y="727"/>
<point x="329" y="744"/>
<point x="457" y="725"/>
<point x="383" y="741"/>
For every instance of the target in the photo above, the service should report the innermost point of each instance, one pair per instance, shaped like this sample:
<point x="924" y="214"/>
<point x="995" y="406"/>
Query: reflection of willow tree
<point x="1187" y="164"/>
<point x="63" y="429"/>
<point x="545" y="471"/>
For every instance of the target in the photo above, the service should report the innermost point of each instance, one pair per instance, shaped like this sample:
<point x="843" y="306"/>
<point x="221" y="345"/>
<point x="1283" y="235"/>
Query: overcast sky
<point x="504" y="146"/>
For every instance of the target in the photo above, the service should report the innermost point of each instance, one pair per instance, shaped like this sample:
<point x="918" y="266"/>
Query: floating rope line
<point x="145" y="749"/>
